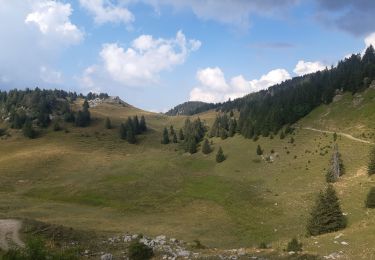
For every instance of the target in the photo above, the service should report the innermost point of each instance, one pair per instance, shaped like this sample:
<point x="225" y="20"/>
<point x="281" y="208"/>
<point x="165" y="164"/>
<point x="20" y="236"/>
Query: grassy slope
<point x="89" y="178"/>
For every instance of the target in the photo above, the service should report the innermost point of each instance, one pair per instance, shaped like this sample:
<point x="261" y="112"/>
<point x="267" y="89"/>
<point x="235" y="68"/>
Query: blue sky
<point x="156" y="54"/>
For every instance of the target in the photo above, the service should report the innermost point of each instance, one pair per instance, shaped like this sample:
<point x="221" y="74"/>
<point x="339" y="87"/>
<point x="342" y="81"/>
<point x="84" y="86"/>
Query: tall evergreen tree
<point x="28" y="129"/>
<point x="191" y="145"/>
<point x="142" y="124"/>
<point x="220" y="157"/>
<point x="107" y="123"/>
<point x="165" y="138"/>
<point x="326" y="216"/>
<point x="181" y="135"/>
<point x="174" y="138"/>
<point x="171" y="130"/>
<point x="371" y="165"/>
<point x="123" y="131"/>
<point x="136" y="126"/>
<point x="370" y="200"/>
<point x="83" y="117"/>
<point x="206" y="148"/>
<point x="130" y="134"/>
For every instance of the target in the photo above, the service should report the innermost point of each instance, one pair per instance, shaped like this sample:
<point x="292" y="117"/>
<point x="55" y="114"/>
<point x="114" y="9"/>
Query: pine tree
<point x="370" y="201"/>
<point x="223" y="134"/>
<point x="371" y="165"/>
<point x="232" y="127"/>
<point x="259" y="150"/>
<point x="181" y="135"/>
<point x="136" y="127"/>
<point x="108" y="124"/>
<point x="191" y="145"/>
<point x="28" y="129"/>
<point x="206" y="148"/>
<point x="220" y="157"/>
<point x="171" y="130"/>
<point x="123" y="131"/>
<point x="142" y="124"/>
<point x="130" y="135"/>
<point x="326" y="216"/>
<point x="165" y="138"/>
<point x="174" y="140"/>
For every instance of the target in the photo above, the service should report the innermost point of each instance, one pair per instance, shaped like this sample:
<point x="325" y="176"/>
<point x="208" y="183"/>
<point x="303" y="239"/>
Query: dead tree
<point x="336" y="168"/>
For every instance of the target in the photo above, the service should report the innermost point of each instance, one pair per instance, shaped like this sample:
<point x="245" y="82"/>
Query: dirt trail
<point x="9" y="233"/>
<point x="338" y="133"/>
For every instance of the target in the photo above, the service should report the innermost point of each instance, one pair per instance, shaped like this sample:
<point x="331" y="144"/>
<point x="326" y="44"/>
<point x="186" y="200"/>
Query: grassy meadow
<point x="88" y="178"/>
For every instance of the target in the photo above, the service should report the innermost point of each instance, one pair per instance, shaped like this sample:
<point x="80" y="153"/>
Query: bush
<point x="370" y="201"/>
<point x="294" y="246"/>
<point x="56" y="126"/>
<point x="139" y="251"/>
<point x="220" y="157"/>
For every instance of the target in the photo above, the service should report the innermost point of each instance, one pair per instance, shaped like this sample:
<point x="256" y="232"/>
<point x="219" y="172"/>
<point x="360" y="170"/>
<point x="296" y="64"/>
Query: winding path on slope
<point x="9" y="233"/>
<point x="338" y="133"/>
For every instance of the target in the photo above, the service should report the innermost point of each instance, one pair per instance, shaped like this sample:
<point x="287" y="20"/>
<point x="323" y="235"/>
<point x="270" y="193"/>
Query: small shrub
<point x="198" y="245"/>
<point x="294" y="246"/>
<point x="139" y="251"/>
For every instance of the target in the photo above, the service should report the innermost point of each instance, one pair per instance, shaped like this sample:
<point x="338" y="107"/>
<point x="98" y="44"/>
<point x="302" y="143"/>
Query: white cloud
<point x="104" y="11"/>
<point x="53" y="20"/>
<point x="370" y="40"/>
<point x="49" y="75"/>
<point x="305" y="67"/>
<point x="213" y="86"/>
<point x="140" y="64"/>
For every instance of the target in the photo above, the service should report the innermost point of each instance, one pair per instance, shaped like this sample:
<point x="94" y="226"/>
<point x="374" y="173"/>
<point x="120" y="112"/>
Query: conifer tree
<point x="123" y="131"/>
<point x="28" y="129"/>
<point x="370" y="201"/>
<point x="232" y="127"/>
<point x="191" y="145"/>
<point x="181" y="135"/>
<point x="220" y="157"/>
<point x="371" y="165"/>
<point x="130" y="134"/>
<point x="259" y="150"/>
<point x="206" y="148"/>
<point x="223" y="134"/>
<point x="174" y="140"/>
<point x="136" y="127"/>
<point x="107" y="123"/>
<point x="165" y="138"/>
<point x="171" y="130"/>
<point x="142" y="124"/>
<point x="326" y="216"/>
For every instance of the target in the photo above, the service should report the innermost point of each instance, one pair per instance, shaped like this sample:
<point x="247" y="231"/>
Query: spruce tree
<point x="174" y="140"/>
<point x="370" y="201"/>
<point x="107" y="123"/>
<point x="259" y="150"/>
<point x="142" y="124"/>
<point x="223" y="134"/>
<point x="165" y="138"/>
<point x="326" y="216"/>
<point x="371" y="165"/>
<point x="220" y="157"/>
<point x="130" y="135"/>
<point x="232" y="127"/>
<point x="181" y="135"/>
<point x="191" y="145"/>
<point x="171" y="130"/>
<point x="136" y="127"/>
<point x="28" y="129"/>
<point x="123" y="131"/>
<point x="206" y="148"/>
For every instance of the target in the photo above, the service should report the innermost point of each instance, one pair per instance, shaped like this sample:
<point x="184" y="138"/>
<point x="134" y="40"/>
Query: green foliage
<point x="108" y="124"/>
<point x="334" y="136"/>
<point x="223" y="127"/>
<point x="83" y="117"/>
<point x="165" y="137"/>
<point x="220" y="157"/>
<point x="130" y="129"/>
<point x="171" y="130"/>
<point x="56" y="126"/>
<point x="259" y="150"/>
<point x="371" y="164"/>
<point x="206" y="148"/>
<point x="370" y="200"/>
<point x="139" y="251"/>
<point x="142" y="124"/>
<point x="294" y="246"/>
<point x="198" y="244"/>
<point x="326" y="216"/>
<point x="174" y="139"/>
<point x="181" y="134"/>
<point x="28" y="129"/>
<point x="262" y="245"/>
<point x="193" y="134"/>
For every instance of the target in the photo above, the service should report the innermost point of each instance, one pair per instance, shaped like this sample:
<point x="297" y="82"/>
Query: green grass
<point x="90" y="179"/>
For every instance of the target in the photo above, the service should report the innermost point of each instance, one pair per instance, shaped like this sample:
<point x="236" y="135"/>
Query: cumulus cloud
<point x="140" y="64"/>
<point x="306" y="67"/>
<point x="213" y="87"/>
<point x="353" y="16"/>
<point x="52" y="18"/>
<point x="49" y="75"/>
<point x="104" y="11"/>
<point x="370" y="40"/>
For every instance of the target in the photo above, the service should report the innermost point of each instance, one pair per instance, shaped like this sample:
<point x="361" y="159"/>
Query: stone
<point x="106" y="257"/>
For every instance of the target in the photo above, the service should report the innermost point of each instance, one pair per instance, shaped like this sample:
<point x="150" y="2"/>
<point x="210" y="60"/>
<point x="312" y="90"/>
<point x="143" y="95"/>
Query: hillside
<point x="90" y="179"/>
<point x="189" y="108"/>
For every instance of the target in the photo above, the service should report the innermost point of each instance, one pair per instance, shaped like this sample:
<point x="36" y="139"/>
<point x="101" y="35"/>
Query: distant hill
<point x="190" y="108"/>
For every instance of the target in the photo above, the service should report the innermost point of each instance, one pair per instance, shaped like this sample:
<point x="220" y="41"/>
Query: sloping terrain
<point x="89" y="178"/>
